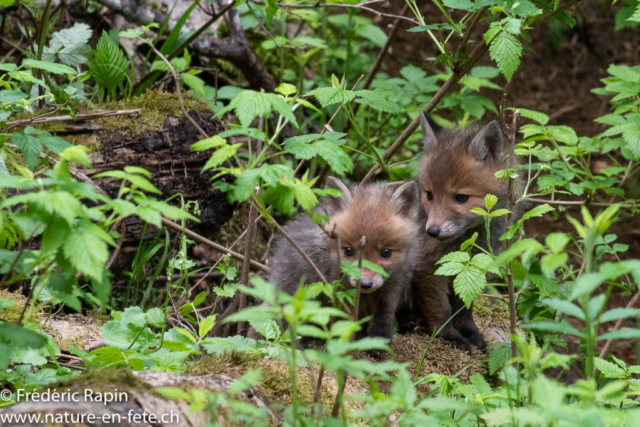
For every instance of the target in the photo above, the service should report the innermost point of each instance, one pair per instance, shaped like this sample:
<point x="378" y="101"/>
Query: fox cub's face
<point x="381" y="219"/>
<point x="456" y="174"/>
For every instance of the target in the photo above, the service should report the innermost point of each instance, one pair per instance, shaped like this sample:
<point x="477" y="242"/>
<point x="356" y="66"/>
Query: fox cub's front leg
<point x="432" y="299"/>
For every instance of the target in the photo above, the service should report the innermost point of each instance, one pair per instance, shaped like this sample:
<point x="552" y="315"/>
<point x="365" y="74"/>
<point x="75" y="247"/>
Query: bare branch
<point x="176" y="80"/>
<point x="198" y="238"/>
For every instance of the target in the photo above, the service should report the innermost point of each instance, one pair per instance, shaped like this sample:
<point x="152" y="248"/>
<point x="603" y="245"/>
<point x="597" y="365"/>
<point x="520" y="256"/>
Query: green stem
<point x="352" y="119"/>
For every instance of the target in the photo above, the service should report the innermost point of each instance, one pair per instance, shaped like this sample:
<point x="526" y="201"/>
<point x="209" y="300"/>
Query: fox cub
<point x="455" y="174"/>
<point x="386" y="215"/>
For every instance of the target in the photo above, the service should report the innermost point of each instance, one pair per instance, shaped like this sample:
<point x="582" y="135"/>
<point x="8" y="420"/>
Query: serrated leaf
<point x="30" y="147"/>
<point x="206" y="324"/>
<point x="333" y="154"/>
<point x="499" y="357"/>
<point x="376" y="101"/>
<point x="86" y="252"/>
<point x="506" y="50"/>
<point x="221" y="155"/>
<point x="608" y="369"/>
<point x="469" y="283"/>
<point x="208" y="143"/>
<point x="536" y="116"/>
<point x="70" y="46"/>
<point x="108" y="64"/>
<point x="329" y="95"/>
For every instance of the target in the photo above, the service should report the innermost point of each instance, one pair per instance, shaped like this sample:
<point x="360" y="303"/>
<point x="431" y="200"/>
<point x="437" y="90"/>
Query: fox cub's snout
<point x="378" y="219"/>
<point x="456" y="174"/>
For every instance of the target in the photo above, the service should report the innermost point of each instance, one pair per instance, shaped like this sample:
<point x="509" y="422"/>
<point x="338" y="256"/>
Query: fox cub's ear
<point x="336" y="204"/>
<point x="489" y="141"/>
<point x="406" y="200"/>
<point x="429" y="130"/>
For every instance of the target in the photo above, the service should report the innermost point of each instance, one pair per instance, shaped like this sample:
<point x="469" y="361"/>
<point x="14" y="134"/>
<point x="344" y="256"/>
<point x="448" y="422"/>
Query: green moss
<point x="105" y="380"/>
<point x="156" y="108"/>
<point x="12" y="314"/>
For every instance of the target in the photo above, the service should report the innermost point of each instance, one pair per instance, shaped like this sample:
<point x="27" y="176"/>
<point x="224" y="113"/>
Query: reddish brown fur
<point x="454" y="164"/>
<point x="385" y="229"/>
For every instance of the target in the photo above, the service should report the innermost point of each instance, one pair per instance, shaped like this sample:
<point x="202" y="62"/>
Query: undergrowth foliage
<point x="58" y="231"/>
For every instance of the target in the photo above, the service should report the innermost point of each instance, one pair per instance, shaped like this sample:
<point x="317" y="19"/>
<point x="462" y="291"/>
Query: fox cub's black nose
<point x="433" y="231"/>
<point x="366" y="284"/>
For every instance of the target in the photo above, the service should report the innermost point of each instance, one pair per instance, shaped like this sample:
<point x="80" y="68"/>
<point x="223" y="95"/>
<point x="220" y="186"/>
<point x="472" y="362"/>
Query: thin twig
<point x="244" y="278"/>
<point x="618" y="325"/>
<point x="300" y="250"/>
<point x="361" y="6"/>
<point x="176" y="79"/>
<point x="78" y="118"/>
<point x="459" y="71"/>
<point x="513" y="321"/>
<point x="198" y="238"/>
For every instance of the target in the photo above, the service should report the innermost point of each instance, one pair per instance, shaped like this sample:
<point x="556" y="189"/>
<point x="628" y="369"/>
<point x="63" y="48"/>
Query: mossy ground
<point x="491" y="318"/>
<point x="156" y="108"/>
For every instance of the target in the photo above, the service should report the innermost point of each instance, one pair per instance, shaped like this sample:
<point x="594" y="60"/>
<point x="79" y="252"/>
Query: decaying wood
<point x="67" y="118"/>
<point x="175" y="169"/>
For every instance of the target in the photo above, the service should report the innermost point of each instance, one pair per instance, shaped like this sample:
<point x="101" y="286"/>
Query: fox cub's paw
<point x="456" y="340"/>
<point x="473" y="335"/>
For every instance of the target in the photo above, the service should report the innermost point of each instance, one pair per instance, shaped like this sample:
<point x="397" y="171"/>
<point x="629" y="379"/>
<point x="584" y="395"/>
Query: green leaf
<point x="538" y="211"/>
<point x="30" y="147"/>
<point x="636" y="15"/>
<point x="281" y="106"/>
<point x="621" y="334"/>
<point x="221" y="155"/>
<point x="49" y="66"/>
<point x="131" y="33"/>
<point x="249" y="379"/>
<point x="540" y="118"/>
<point x="250" y="104"/>
<point x="506" y="50"/>
<point x="608" y="369"/>
<point x="245" y="183"/>
<point x="194" y="82"/>
<point x="333" y="154"/>
<point x="300" y="150"/>
<point x="70" y="46"/>
<point x="12" y="95"/>
<point x="55" y="144"/>
<point x="565" y="307"/>
<point x="86" y="252"/>
<point x="562" y="327"/>
<point x="469" y="283"/>
<point x="499" y="357"/>
<point x="619" y="313"/>
<point x="208" y="143"/>
<point x="272" y="8"/>
<point x="108" y="64"/>
<point x="329" y="95"/>
<point x="373" y="33"/>
<point x="490" y="201"/>
<point x="205" y="325"/>
<point x="376" y="101"/>
<point x="304" y="195"/>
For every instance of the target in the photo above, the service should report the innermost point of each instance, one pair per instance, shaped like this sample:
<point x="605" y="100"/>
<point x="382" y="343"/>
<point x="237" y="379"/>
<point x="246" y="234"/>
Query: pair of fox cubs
<point x="406" y="237"/>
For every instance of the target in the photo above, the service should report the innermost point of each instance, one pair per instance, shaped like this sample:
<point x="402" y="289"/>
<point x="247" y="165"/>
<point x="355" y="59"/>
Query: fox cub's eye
<point x="348" y="251"/>
<point x="386" y="253"/>
<point x="429" y="195"/>
<point x="461" y="198"/>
